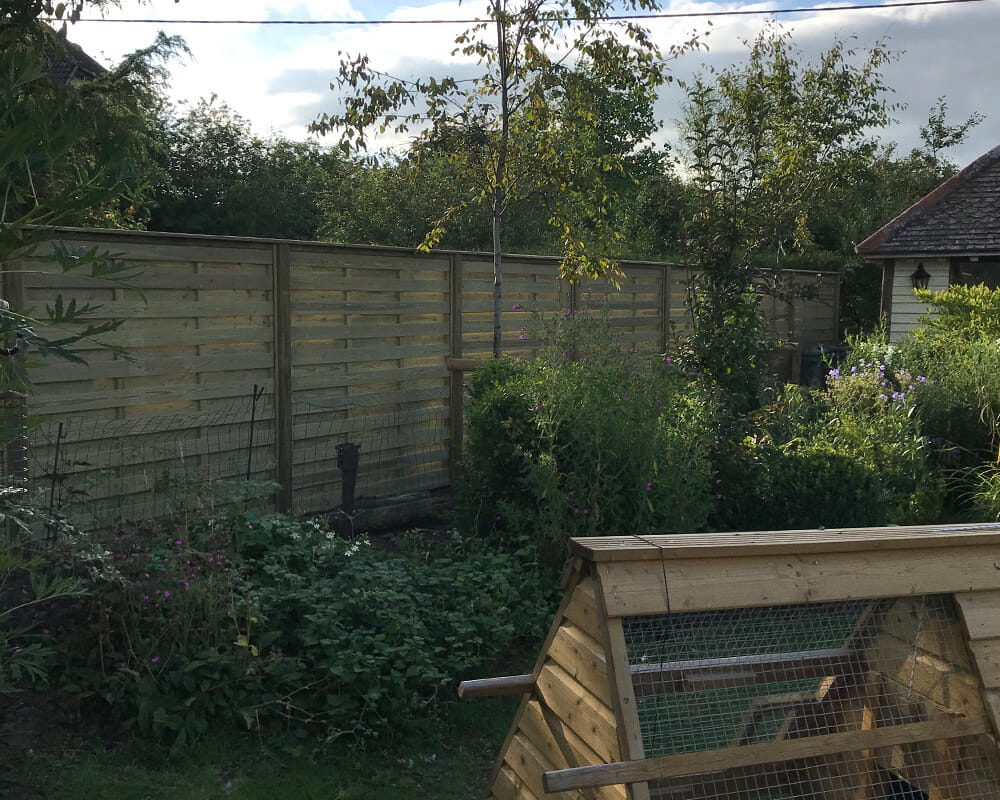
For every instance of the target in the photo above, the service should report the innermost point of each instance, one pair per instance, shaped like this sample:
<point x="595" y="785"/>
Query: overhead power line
<point x="609" y="18"/>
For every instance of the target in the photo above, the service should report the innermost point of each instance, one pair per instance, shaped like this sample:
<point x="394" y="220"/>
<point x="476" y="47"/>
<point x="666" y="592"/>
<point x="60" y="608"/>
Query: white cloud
<point x="279" y="76"/>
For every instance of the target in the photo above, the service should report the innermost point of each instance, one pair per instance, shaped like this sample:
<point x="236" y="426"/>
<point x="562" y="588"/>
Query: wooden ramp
<point x="855" y="664"/>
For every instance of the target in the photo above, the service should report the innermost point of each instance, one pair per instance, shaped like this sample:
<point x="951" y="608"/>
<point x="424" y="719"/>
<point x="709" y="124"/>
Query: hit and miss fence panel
<point x="370" y="330"/>
<point x="199" y="336"/>
<point x="348" y="344"/>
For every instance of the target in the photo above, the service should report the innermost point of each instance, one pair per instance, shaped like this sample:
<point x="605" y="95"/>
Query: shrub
<point x="604" y="445"/>
<point x="969" y="312"/>
<point x="850" y="456"/>
<point x="954" y="363"/>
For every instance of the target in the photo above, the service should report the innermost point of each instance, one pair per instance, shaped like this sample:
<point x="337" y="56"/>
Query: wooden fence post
<point x="836" y="307"/>
<point x="456" y="377"/>
<point x="665" y="309"/>
<point x="15" y="404"/>
<point x="282" y="322"/>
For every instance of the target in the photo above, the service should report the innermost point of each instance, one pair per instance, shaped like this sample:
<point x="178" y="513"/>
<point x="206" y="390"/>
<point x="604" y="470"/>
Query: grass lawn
<point x="448" y="758"/>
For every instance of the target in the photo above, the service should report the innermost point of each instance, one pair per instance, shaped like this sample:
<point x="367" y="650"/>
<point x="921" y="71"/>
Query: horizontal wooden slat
<point x="726" y="672"/>
<point x="582" y="611"/>
<point x="507" y="786"/>
<point x="527" y="762"/>
<point x="634" y="587"/>
<point x="713" y="583"/>
<point x="765" y="753"/>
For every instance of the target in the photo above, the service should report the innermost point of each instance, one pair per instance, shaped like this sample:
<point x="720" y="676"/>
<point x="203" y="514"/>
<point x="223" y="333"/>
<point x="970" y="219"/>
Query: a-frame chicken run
<point x="855" y="664"/>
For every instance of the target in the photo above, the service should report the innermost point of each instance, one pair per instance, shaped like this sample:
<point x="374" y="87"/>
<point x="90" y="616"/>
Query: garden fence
<point x="312" y="345"/>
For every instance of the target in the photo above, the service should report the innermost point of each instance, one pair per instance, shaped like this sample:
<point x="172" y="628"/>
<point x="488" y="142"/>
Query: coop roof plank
<point x="710" y="545"/>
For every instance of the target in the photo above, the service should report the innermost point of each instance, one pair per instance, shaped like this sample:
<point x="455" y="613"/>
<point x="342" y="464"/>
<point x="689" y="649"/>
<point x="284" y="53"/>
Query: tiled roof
<point x="962" y="215"/>
<point x="66" y="62"/>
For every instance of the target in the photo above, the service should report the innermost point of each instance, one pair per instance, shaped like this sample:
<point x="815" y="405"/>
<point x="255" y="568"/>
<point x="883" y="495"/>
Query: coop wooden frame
<point x="576" y="733"/>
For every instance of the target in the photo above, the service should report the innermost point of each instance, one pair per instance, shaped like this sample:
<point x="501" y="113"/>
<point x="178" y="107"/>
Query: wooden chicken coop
<point x="859" y="664"/>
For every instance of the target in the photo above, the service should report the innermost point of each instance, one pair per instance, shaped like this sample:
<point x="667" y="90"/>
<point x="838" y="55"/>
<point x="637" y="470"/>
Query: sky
<point x="278" y="77"/>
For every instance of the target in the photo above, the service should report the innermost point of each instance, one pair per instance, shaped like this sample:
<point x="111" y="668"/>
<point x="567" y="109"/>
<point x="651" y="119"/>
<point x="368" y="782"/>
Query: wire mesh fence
<point x="397" y="453"/>
<point x="763" y="678"/>
<point x="102" y="473"/>
<point x="106" y="472"/>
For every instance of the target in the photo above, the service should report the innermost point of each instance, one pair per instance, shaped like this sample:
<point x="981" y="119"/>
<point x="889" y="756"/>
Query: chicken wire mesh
<point x="105" y="472"/>
<point x="102" y="473"/>
<point x="713" y="680"/>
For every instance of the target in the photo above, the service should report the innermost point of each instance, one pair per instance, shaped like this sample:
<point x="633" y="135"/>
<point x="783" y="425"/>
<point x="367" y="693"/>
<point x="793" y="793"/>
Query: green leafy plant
<point x="589" y="440"/>
<point x="268" y="622"/>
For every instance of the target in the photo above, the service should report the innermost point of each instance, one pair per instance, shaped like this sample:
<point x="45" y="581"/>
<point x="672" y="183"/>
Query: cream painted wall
<point x="905" y="308"/>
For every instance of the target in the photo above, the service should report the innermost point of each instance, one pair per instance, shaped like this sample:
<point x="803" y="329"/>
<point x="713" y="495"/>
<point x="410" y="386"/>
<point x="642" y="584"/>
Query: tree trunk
<point x="500" y="182"/>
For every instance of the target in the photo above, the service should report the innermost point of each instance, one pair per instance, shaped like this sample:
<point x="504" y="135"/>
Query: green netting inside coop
<point x="712" y="681"/>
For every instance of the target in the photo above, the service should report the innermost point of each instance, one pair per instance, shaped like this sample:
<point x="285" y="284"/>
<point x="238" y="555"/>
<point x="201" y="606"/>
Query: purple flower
<point x="522" y="336"/>
<point x="515" y="307"/>
<point x="166" y="593"/>
<point x="649" y="486"/>
<point x="668" y="360"/>
<point x="154" y="659"/>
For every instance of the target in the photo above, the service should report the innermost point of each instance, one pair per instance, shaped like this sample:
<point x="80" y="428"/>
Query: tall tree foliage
<point x="221" y="178"/>
<point x="506" y="129"/>
<point x="70" y="153"/>
<point x="765" y="138"/>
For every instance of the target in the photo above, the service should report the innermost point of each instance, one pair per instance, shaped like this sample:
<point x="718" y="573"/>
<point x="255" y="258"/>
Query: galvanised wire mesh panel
<point x="708" y="681"/>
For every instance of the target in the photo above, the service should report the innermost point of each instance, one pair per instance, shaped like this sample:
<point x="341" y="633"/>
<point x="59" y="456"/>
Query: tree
<point x="219" y="178"/>
<point x="764" y="139"/>
<point x="506" y="130"/>
<point x="70" y="153"/>
<point x="878" y="190"/>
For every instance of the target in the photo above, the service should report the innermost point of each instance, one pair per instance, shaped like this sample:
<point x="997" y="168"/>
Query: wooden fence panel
<point x="344" y="344"/>
<point x="369" y="338"/>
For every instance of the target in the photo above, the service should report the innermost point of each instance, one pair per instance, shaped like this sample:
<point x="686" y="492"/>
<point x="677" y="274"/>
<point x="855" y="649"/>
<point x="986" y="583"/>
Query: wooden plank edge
<point x="679" y="765"/>
<point x="799" y="542"/>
